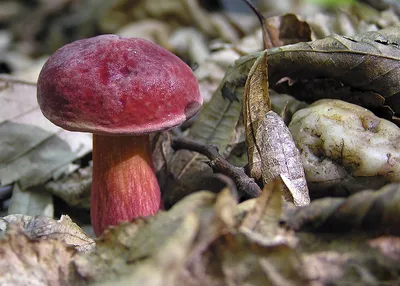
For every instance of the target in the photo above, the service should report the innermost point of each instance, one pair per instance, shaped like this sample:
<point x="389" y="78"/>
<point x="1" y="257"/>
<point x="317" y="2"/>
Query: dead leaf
<point x="256" y="105"/>
<point x="63" y="230"/>
<point x="238" y="260"/>
<point x="121" y="248"/>
<point x="280" y="157"/>
<point x="31" y="202"/>
<point x="288" y="29"/>
<point x="271" y="149"/>
<point x="366" y="62"/>
<point x="73" y="188"/>
<point x="376" y="212"/>
<point x="26" y="137"/>
<point x="263" y="218"/>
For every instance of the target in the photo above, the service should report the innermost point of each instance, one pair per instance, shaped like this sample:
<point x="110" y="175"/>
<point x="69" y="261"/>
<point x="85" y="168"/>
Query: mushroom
<point x="119" y="89"/>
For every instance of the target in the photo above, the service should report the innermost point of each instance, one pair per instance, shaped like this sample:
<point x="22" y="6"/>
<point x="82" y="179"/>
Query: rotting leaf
<point x="40" y="227"/>
<point x="368" y="62"/>
<point x="367" y="210"/>
<point x="243" y="261"/>
<point x="197" y="242"/>
<point x="388" y="246"/>
<point x="166" y="266"/>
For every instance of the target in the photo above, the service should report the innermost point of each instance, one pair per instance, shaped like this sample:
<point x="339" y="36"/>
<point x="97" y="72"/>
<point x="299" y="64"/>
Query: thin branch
<point x="246" y="186"/>
<point x="265" y="32"/>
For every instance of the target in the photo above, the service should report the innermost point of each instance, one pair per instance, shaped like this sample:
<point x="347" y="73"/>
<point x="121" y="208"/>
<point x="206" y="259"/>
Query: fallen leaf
<point x="371" y="211"/>
<point x="31" y="202"/>
<point x="63" y="230"/>
<point x="256" y="105"/>
<point x="271" y="149"/>
<point x="73" y="188"/>
<point x="26" y="137"/>
<point x="263" y="218"/>
<point x="288" y="29"/>
<point x="366" y="62"/>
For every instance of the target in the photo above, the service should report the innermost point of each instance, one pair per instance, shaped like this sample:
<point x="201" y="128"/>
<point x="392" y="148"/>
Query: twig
<point x="267" y="40"/>
<point x="246" y="186"/>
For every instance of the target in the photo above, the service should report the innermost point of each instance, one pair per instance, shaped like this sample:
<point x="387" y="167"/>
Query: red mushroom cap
<point x="113" y="85"/>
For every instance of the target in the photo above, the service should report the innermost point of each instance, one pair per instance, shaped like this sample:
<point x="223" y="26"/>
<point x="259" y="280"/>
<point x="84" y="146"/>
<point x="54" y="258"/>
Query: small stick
<point x="265" y="32"/>
<point x="246" y="186"/>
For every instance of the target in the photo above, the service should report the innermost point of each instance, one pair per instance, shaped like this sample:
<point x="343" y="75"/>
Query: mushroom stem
<point x="124" y="185"/>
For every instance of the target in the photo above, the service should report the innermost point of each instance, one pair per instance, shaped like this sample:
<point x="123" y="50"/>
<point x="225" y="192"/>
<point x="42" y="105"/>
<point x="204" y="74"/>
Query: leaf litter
<point x="212" y="239"/>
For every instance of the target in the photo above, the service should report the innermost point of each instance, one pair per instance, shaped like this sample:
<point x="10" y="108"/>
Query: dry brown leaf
<point x="288" y="29"/>
<point x="256" y="105"/>
<point x="271" y="149"/>
<point x="40" y="227"/>
<point x="366" y="62"/>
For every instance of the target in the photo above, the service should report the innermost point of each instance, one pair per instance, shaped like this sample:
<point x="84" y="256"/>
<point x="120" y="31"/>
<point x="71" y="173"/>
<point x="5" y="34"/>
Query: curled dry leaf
<point x="271" y="149"/>
<point x="63" y="230"/>
<point x="283" y="30"/>
<point x="346" y="146"/>
<point x="33" y="262"/>
<point x="367" y="62"/>
<point x="368" y="210"/>
<point x="256" y="104"/>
